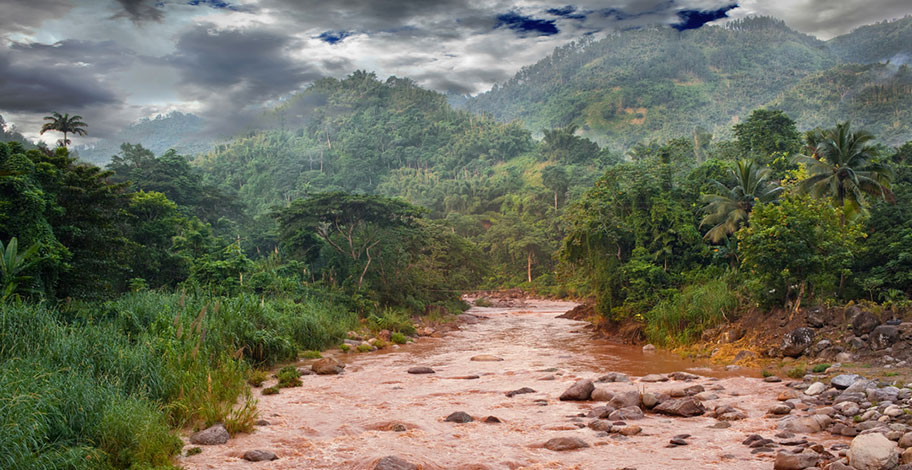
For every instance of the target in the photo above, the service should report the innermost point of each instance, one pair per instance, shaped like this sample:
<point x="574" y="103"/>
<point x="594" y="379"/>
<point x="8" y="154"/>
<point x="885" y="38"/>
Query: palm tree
<point x="65" y="124"/>
<point x="730" y="207"/>
<point x="841" y="166"/>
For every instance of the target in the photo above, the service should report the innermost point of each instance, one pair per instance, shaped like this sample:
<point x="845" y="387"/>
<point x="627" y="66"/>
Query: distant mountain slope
<point x="658" y="83"/>
<point x="880" y="42"/>
<point x="183" y="132"/>
<point x="876" y="97"/>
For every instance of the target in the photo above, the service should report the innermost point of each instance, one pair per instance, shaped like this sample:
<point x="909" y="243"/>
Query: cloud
<point x="825" y="18"/>
<point x="139" y="11"/>
<point x="693" y="19"/>
<point x="23" y="17"/>
<point x="527" y="24"/>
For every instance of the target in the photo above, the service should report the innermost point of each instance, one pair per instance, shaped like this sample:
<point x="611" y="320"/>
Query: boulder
<point x="790" y="461"/>
<point x="649" y="348"/>
<point x="327" y="366"/>
<point x="873" y="452"/>
<point x="625" y="399"/>
<point x="906" y="457"/>
<point x="905" y="441"/>
<point x="804" y="424"/>
<point x="795" y="342"/>
<point x="844" y="381"/>
<point x="650" y="399"/>
<point x="629" y="430"/>
<point x="392" y="462"/>
<point x="864" y="322"/>
<point x="613" y="377"/>
<point x="780" y="409"/>
<point x="421" y="370"/>
<point x="628" y="413"/>
<point x="559" y="444"/>
<point x="815" y="389"/>
<point x="685" y="407"/>
<point x="459" y="417"/>
<point x="602" y="394"/>
<point x="816" y="317"/>
<point x="654" y="378"/>
<point x="213" y="435"/>
<point x="581" y="390"/>
<point x="259" y="456"/>
<point x="883" y="337"/>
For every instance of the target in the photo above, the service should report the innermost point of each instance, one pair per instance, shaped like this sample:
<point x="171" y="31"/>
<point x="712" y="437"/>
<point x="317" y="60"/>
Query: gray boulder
<point x="581" y="390"/>
<point x="873" y="452"/>
<point x="211" y="436"/>
<point x="795" y="342"/>
<point x="864" y="322"/>
<point x="685" y="407"/>
<point x="844" y="381"/>
<point x="259" y="456"/>
<point x="883" y="337"/>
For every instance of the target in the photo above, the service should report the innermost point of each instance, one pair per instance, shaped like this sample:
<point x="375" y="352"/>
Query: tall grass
<point x="103" y="386"/>
<point x="681" y="318"/>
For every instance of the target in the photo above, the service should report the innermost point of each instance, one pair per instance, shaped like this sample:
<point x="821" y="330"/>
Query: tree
<point x="554" y="177"/>
<point x="766" y="132"/>
<point x="65" y="124"/>
<point x="796" y="243"/>
<point x="12" y="266"/>
<point x="842" y="166"/>
<point x="730" y="208"/>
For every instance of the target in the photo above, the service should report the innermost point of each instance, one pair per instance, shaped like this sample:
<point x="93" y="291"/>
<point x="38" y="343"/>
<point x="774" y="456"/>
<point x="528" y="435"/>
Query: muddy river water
<point x="352" y="420"/>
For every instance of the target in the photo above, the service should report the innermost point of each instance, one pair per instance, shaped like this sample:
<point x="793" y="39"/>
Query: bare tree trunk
<point x="529" y="266"/>
<point x="555" y="200"/>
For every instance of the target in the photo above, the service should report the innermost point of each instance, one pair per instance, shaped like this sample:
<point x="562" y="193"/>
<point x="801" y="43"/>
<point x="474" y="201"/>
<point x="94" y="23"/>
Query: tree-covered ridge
<point x="877" y="97"/>
<point x="658" y="84"/>
<point x="183" y="132"/>
<point x="880" y="42"/>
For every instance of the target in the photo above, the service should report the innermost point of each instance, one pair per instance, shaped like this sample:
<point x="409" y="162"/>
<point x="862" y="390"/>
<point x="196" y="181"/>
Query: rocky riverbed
<point x="519" y="388"/>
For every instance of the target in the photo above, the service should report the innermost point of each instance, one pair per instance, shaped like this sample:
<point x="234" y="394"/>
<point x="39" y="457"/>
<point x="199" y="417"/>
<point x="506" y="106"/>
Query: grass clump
<point x="682" y="317"/>
<point x="398" y="338"/>
<point x="392" y="319"/>
<point x="380" y="344"/>
<point x="820" y="368"/>
<point x="274" y="390"/>
<point x="289" y="377"/>
<point x="765" y="373"/>
<point x="312" y="354"/>
<point x="365" y="348"/>
<point x="344" y="347"/>
<point x="483" y="302"/>
<point x="256" y="378"/>
<point x="193" y="451"/>
<point x="796" y="372"/>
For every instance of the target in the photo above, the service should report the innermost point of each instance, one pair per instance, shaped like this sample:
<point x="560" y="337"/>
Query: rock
<point x="492" y="420"/>
<point x="459" y="417"/>
<point x="630" y="430"/>
<point x="683" y="376"/>
<point x="872" y="452"/>
<point x="211" y="436"/>
<point x="262" y="422"/>
<point x="625" y="399"/>
<point x="780" y="409"/>
<point x="893" y="411"/>
<point x="788" y="395"/>
<point x="649" y="348"/>
<point x="816" y="317"/>
<point x="745" y="354"/>
<point x="906" y="457"/>
<point x="847" y="408"/>
<point x="790" y="461"/>
<point x="844" y="381"/>
<point x="421" y="370"/>
<point x="392" y="462"/>
<point x="772" y="379"/>
<point x="685" y="407"/>
<point x="629" y="413"/>
<point x="559" y="444"/>
<point x="795" y="342"/>
<point x="581" y="390"/>
<point x="486" y="358"/>
<point x="602" y="394"/>
<point x="600" y="425"/>
<point x="845" y="357"/>
<point x="815" y="389"/>
<point x="327" y="366"/>
<point x="905" y="441"/>
<point x="864" y="322"/>
<point x="649" y="399"/>
<point x="520" y="391"/>
<point x="883" y="337"/>
<point x="805" y="424"/>
<point x="613" y="377"/>
<point x="259" y="455"/>
<point x="654" y="378"/>
<point x="676" y="441"/>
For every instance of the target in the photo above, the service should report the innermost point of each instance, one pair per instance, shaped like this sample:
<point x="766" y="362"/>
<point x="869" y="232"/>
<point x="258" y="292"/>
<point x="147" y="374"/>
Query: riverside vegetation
<point x="138" y="299"/>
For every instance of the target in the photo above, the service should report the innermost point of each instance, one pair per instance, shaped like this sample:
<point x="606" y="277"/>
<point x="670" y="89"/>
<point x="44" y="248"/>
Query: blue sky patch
<point x="527" y="24"/>
<point x="693" y="19"/>
<point x="333" y="37"/>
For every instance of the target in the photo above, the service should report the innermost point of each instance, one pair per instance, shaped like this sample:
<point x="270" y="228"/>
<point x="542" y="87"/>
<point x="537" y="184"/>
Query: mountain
<point x="180" y="131"/>
<point x="658" y="83"/>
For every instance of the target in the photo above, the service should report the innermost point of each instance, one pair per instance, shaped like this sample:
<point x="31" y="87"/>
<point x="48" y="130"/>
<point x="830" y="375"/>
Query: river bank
<point x="376" y="408"/>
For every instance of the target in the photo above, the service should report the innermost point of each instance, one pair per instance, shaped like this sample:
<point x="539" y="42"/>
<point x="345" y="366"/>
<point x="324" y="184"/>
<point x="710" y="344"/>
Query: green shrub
<point x="392" y="319"/>
<point x="681" y="318"/>
<point x="796" y="372"/>
<point x="765" y="373"/>
<point x="483" y="302"/>
<point x="365" y="348"/>
<point x="820" y="368"/>
<point x="256" y="378"/>
<point x="289" y="377"/>
<point x="398" y="338"/>
<point x="344" y="347"/>
<point x="312" y="355"/>
<point x="193" y="451"/>
<point x="274" y="390"/>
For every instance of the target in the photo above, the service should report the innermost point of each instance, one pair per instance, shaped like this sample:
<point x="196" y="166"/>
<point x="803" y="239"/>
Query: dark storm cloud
<point x="139" y="11"/>
<point x="24" y="16"/>
<point x="238" y="70"/>
<point x="527" y="24"/>
<point x="39" y="77"/>
<point x="693" y="19"/>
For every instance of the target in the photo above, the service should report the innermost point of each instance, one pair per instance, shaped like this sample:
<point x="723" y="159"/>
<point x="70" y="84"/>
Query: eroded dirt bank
<point x="375" y="408"/>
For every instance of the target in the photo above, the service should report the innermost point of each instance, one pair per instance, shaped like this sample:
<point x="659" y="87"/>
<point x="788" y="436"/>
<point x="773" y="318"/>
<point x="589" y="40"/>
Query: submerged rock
<point x="421" y="370"/>
<point x="559" y="444"/>
<point x="685" y="407"/>
<point x="459" y="417"/>
<point x="259" y="455"/>
<point x="327" y="366"/>
<point x="392" y="462"/>
<point x="211" y="436"/>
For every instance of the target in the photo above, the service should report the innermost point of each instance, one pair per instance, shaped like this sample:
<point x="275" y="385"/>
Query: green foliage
<point x="288" y="377"/>
<point x="274" y="390"/>
<point x="311" y="355"/>
<point x="730" y="207"/>
<point x="398" y="338"/>
<point x="12" y="266"/>
<point x="64" y="124"/>
<point x="682" y="317"/>
<point x="363" y="348"/>
<point x="256" y="377"/>
<point x="796" y="372"/>
<point x="819" y="368"/>
<point x="391" y="319"/>
<point x="800" y="244"/>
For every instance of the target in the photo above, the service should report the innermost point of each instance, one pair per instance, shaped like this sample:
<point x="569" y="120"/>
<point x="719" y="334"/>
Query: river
<point x="347" y="421"/>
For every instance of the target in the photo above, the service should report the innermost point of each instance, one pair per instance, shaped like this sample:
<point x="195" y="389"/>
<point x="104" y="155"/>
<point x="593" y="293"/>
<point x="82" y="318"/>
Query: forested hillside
<point x="658" y="83"/>
<point x="182" y="132"/>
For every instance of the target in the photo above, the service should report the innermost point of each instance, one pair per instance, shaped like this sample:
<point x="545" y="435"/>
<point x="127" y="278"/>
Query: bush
<point x="820" y="368"/>
<point x="271" y="390"/>
<point x="796" y="372"/>
<point x="398" y="338"/>
<point x="483" y="302"/>
<point x="392" y="319"/>
<point x="256" y="378"/>
<point x="312" y="355"/>
<point x="681" y="318"/>
<point x="288" y="377"/>
<point x="365" y="348"/>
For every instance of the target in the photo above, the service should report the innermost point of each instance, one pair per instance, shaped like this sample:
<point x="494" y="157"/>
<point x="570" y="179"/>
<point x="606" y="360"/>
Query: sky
<point x="115" y="61"/>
